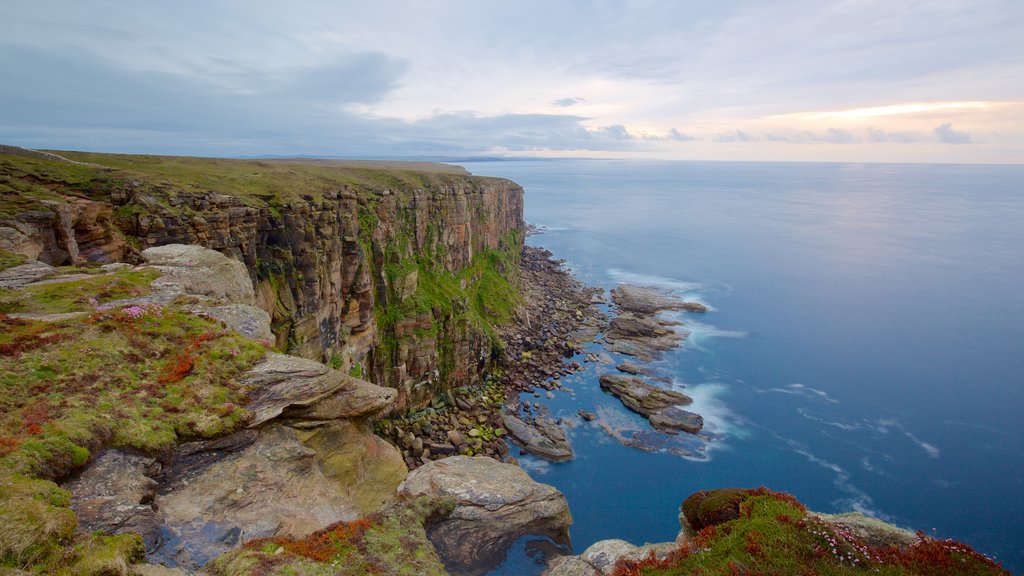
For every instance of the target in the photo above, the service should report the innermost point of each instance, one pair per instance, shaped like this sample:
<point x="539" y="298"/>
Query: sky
<point x="783" y="80"/>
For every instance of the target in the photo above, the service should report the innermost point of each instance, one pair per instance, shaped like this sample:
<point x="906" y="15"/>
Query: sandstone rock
<point x="661" y="406"/>
<point x="309" y="390"/>
<point x="200" y="271"/>
<point x="247" y="320"/>
<point x="640" y="396"/>
<point x="543" y="438"/>
<point x="588" y="416"/>
<point x="27" y="273"/>
<point x="13" y="240"/>
<point x="675" y="418"/>
<point x="115" y="494"/>
<point x="644" y="299"/>
<point x="285" y="482"/>
<point x="495" y="504"/>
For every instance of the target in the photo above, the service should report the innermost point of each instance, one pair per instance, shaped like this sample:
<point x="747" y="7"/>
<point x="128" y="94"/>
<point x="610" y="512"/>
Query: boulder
<point x="543" y="437"/>
<point x="200" y="271"/>
<point x="495" y="504"/>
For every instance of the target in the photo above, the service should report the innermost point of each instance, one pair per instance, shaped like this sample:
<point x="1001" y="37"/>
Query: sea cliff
<point x="395" y="271"/>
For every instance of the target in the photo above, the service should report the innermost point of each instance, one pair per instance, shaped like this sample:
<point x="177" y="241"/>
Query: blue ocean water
<point x="863" y="350"/>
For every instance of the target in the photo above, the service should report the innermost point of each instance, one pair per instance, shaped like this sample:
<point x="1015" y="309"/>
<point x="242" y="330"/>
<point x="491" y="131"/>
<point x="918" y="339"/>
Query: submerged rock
<point x="495" y="504"/>
<point x="543" y="437"/>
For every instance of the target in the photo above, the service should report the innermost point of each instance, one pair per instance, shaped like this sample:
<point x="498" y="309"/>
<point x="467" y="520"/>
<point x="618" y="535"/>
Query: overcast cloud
<point x="800" y="80"/>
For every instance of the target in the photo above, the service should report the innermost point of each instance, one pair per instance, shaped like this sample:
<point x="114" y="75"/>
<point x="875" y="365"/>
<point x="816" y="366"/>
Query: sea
<point x="863" y="348"/>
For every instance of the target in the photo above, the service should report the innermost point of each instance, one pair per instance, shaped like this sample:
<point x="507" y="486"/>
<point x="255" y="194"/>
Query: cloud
<point x="733" y="136"/>
<point x="879" y="135"/>
<point x="566" y="102"/>
<point x="947" y="135"/>
<point x="830" y="136"/>
<point x="678" y="136"/>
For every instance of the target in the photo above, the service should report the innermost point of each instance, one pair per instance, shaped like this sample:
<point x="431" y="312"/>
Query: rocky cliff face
<point x="364" y="266"/>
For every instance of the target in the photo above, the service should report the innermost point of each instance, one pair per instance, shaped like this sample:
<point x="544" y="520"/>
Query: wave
<point x="882" y="426"/>
<point x="624" y="277"/>
<point x="802" y="390"/>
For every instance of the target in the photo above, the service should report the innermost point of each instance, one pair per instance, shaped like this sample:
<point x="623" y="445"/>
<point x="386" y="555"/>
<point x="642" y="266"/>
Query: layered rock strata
<point x="346" y="264"/>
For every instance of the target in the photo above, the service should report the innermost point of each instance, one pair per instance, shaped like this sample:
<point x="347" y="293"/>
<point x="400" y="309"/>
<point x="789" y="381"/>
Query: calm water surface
<point x="863" y="352"/>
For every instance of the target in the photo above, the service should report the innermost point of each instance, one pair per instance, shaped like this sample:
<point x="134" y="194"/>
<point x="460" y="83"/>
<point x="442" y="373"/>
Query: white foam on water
<point x="624" y="277"/>
<point x="707" y="402"/>
<point x="534" y="466"/>
<point x="801" y="390"/>
<point x="857" y="500"/>
<point x="699" y="333"/>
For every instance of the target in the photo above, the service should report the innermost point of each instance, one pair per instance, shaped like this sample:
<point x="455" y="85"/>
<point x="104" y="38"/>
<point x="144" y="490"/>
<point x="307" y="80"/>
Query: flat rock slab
<point x="495" y="504"/>
<point x="20" y="276"/>
<point x="641" y="396"/>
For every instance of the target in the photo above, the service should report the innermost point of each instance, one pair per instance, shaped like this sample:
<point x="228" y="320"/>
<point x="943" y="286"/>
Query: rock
<point x="309" y="390"/>
<point x="644" y="299"/>
<point x="284" y="482"/>
<point x="603" y="555"/>
<point x="588" y="416"/>
<point x="495" y="504"/>
<point x="713" y="507"/>
<point x="568" y="566"/>
<point x="455" y="437"/>
<point x="640" y="396"/>
<point x="675" y="418"/>
<point x="249" y="321"/>
<point x="641" y="370"/>
<point x="661" y="406"/>
<point x="694" y="307"/>
<point x="202" y="272"/>
<point x="115" y="494"/>
<point x="23" y="274"/>
<point x="873" y="531"/>
<point x="156" y="570"/>
<point x="13" y="240"/>
<point x="544" y="438"/>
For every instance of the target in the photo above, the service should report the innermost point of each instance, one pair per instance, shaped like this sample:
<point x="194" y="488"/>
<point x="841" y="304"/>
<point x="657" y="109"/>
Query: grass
<point x="26" y="181"/>
<point x="773" y="535"/>
<point x="391" y="542"/>
<point x="78" y="295"/>
<point x="10" y="260"/>
<point x="134" y="377"/>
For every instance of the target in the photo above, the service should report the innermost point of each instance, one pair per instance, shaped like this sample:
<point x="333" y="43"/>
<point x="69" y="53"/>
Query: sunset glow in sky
<point x="853" y="80"/>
